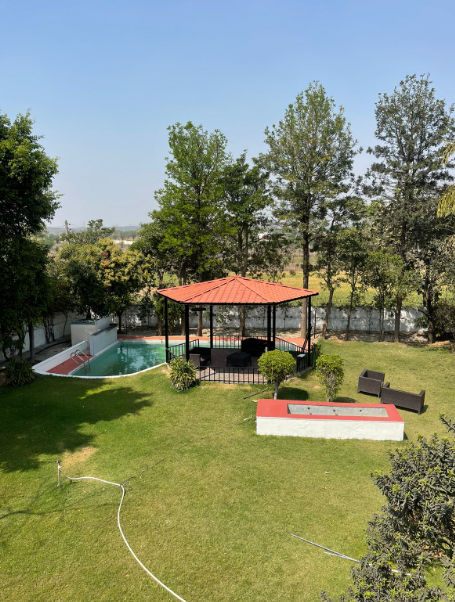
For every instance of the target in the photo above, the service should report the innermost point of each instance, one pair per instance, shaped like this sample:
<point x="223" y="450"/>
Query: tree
<point x="251" y="246"/>
<point x="387" y="274"/>
<point x="103" y="278"/>
<point x="23" y="293"/>
<point x="341" y="212"/>
<point x="94" y="231"/>
<point x="311" y="153"/>
<point x="276" y="366"/>
<point x="189" y="222"/>
<point x="352" y="257"/>
<point x="26" y="174"/>
<point x="416" y="527"/>
<point x="329" y="369"/>
<point x="413" y="128"/>
<point x="26" y="202"/>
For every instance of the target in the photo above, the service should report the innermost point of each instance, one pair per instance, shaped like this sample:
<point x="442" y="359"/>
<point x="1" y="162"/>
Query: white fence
<point x="363" y="319"/>
<point x="62" y="327"/>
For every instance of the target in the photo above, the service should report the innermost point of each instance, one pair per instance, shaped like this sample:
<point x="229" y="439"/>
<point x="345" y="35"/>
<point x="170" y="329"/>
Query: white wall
<point x="62" y="328"/>
<point x="288" y="318"/>
<point x="102" y="339"/>
<point x="330" y="429"/>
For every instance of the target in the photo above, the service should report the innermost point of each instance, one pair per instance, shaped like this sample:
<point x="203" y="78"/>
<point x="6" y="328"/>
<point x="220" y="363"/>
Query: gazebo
<point x="225" y="358"/>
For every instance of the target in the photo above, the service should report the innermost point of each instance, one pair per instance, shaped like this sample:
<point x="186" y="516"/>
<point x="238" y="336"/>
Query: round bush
<point x="19" y="372"/>
<point x="183" y="374"/>
<point x="276" y="366"/>
<point x="329" y="369"/>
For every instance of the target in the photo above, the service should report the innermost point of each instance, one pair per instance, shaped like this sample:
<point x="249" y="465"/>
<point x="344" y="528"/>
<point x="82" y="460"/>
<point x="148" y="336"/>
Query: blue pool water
<point x="125" y="357"/>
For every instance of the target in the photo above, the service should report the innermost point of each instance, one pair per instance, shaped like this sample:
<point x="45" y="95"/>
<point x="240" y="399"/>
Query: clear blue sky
<point x="103" y="79"/>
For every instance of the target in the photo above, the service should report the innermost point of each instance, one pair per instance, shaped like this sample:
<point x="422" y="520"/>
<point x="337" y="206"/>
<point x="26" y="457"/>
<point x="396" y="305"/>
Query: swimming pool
<point x="125" y="357"/>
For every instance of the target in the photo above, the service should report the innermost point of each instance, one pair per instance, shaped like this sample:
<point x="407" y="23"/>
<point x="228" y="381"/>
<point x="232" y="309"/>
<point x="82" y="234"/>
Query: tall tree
<point x="252" y="245"/>
<point x="341" y="212"/>
<point x="413" y="128"/>
<point x="189" y="218"/>
<point x="27" y="200"/>
<point x="311" y="152"/>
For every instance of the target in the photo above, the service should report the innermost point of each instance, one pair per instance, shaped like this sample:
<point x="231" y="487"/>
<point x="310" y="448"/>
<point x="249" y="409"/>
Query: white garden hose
<point x="141" y="564"/>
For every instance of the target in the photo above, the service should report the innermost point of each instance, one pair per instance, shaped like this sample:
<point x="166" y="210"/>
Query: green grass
<point x="213" y="519"/>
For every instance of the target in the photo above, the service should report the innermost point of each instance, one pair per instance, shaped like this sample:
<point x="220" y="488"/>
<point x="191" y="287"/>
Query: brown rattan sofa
<point x="403" y="399"/>
<point x="371" y="381"/>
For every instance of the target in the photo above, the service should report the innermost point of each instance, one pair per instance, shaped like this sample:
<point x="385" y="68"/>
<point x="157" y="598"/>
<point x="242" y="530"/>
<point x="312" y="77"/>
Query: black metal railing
<point x="230" y="375"/>
<point x="179" y="350"/>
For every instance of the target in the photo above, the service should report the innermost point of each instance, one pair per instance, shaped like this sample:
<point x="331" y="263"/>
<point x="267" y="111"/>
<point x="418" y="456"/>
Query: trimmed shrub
<point x="19" y="372"/>
<point x="183" y="374"/>
<point x="329" y="369"/>
<point x="275" y="366"/>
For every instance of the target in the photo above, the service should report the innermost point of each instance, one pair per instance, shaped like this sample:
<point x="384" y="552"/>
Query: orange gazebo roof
<point x="235" y="290"/>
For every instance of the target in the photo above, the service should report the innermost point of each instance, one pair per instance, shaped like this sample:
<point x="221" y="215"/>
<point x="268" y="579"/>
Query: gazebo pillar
<point x="274" y="325"/>
<point x="187" y="332"/>
<point x="211" y="327"/>
<point x="269" y="326"/>
<point x="309" y="326"/>
<point x="166" y="330"/>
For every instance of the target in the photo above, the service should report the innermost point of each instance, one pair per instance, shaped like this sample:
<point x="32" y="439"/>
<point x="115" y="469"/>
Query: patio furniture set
<point x="250" y="349"/>
<point x="372" y="382"/>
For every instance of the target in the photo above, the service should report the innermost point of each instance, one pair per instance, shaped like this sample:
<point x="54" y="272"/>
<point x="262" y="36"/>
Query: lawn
<point x="212" y="520"/>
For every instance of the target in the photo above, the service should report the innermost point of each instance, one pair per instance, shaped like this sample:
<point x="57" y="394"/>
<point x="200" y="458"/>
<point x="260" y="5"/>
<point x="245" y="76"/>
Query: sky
<point x="104" y="79"/>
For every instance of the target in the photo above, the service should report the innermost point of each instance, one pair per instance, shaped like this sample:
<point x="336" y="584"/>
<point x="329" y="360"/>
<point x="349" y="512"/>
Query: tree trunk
<point x="275" y="394"/>
<point x="119" y="316"/>
<point x="182" y="325"/>
<point x="399" y="304"/>
<point x="381" y="322"/>
<point x="31" y="338"/>
<point x="199" y="323"/>
<point x="242" y="320"/>
<point x="348" y="325"/>
<point x="328" y="311"/>
<point x="159" y="325"/>
<point x="306" y="276"/>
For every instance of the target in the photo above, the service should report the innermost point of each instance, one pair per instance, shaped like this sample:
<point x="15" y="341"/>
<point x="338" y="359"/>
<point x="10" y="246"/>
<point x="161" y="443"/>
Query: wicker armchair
<point x="403" y="399"/>
<point x="371" y="381"/>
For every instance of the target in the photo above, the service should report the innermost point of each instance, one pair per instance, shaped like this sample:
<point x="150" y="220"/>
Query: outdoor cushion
<point x="238" y="359"/>
<point x="255" y="347"/>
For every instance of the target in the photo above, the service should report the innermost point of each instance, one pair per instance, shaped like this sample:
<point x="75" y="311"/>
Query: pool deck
<point x="299" y="341"/>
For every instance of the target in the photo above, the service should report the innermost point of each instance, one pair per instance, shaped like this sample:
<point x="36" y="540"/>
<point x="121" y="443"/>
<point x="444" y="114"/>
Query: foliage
<point x="90" y="236"/>
<point x="26" y="202"/>
<point x="413" y="128"/>
<point x="187" y="228"/>
<point x="415" y="528"/>
<point x="311" y="153"/>
<point x="446" y="205"/>
<point x="252" y="247"/>
<point x="103" y="278"/>
<point x="276" y="366"/>
<point x="24" y="291"/>
<point x="183" y="374"/>
<point x="329" y="369"/>
<point x="26" y="174"/>
<point x="19" y="372"/>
